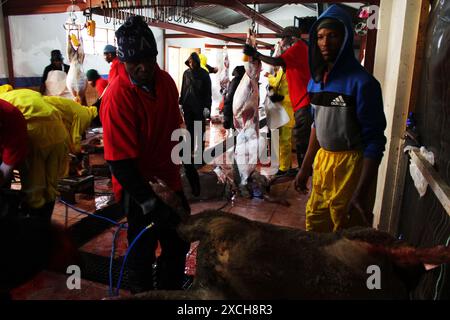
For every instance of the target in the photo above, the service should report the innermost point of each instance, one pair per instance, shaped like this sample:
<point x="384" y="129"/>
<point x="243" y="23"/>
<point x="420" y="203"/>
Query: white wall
<point x="34" y="36"/>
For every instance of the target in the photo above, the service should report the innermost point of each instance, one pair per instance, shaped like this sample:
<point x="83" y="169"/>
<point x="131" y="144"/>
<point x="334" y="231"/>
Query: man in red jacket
<point x="110" y="54"/>
<point x="96" y="81"/>
<point x="139" y="113"/>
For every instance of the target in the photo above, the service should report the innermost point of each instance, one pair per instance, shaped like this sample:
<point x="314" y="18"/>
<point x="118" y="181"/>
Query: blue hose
<point x="111" y="260"/>
<point x="126" y="255"/>
<point x="89" y="213"/>
<point x="113" y="249"/>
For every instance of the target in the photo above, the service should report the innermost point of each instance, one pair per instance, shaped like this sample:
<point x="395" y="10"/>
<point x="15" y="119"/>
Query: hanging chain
<point x="254" y="18"/>
<point x="173" y="10"/>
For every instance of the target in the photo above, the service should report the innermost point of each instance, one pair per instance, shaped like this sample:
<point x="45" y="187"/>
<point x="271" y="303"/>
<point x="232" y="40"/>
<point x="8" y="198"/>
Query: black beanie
<point x="331" y="23"/>
<point x="135" y="40"/>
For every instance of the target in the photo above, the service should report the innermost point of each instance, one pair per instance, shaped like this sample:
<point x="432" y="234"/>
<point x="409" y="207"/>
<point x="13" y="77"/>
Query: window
<point x="95" y="45"/>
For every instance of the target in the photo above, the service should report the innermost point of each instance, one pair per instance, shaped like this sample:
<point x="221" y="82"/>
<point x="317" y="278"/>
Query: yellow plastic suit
<point x="336" y="176"/>
<point x="76" y="118"/>
<point x="5" y="88"/>
<point x="46" y="160"/>
<point x="280" y="85"/>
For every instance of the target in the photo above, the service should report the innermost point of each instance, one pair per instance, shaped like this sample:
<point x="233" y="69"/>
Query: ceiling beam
<point x="207" y="21"/>
<point x="25" y="7"/>
<point x="204" y="2"/>
<point x="231" y="35"/>
<point x="181" y="28"/>
<point x="305" y="36"/>
<point x="248" y="12"/>
<point x="189" y="30"/>
<point x="236" y="46"/>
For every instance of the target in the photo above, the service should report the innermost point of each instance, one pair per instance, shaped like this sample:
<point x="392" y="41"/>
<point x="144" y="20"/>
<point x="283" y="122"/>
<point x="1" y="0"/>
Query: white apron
<point x="56" y="84"/>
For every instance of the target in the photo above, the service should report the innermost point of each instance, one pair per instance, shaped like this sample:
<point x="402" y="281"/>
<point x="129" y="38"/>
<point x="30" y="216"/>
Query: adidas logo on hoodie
<point x="339" y="101"/>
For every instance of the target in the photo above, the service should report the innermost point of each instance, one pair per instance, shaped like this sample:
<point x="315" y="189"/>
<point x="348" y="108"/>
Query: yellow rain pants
<point x="76" y="118"/>
<point x="40" y="173"/>
<point x="285" y="156"/>
<point x="335" y="178"/>
<point x="47" y="158"/>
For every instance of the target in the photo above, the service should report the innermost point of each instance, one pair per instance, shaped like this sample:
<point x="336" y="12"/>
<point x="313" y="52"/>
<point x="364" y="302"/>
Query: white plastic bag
<point x="275" y="114"/>
<point x="419" y="181"/>
<point x="428" y="155"/>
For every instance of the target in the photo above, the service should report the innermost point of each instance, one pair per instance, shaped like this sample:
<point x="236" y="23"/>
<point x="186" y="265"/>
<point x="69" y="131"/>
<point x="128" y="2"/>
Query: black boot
<point x="141" y="278"/>
<point x="45" y="212"/>
<point x="168" y="275"/>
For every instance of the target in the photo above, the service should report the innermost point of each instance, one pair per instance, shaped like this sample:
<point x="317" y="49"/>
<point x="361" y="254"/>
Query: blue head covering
<point x="109" y="49"/>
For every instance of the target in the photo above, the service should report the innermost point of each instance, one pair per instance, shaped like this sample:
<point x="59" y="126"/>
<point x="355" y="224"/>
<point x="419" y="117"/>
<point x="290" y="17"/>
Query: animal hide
<point x="245" y="116"/>
<point x="76" y="77"/>
<point x="224" y="77"/>
<point x="242" y="259"/>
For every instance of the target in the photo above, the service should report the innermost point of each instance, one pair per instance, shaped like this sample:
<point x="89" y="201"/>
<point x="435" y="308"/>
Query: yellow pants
<point x="335" y="178"/>
<point x="40" y="173"/>
<point x="285" y="148"/>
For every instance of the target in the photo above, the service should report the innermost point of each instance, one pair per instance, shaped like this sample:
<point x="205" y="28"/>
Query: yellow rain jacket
<point x="279" y="83"/>
<point x="44" y="123"/>
<point x="5" y="88"/>
<point x="76" y="118"/>
<point x="46" y="161"/>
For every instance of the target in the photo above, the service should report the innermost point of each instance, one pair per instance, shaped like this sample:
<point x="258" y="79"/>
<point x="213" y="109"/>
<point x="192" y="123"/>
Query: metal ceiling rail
<point x="24" y="7"/>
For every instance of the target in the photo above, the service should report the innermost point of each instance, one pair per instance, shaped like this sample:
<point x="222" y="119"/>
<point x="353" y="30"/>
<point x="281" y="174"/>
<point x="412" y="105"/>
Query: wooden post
<point x="9" y="57"/>
<point x="397" y="46"/>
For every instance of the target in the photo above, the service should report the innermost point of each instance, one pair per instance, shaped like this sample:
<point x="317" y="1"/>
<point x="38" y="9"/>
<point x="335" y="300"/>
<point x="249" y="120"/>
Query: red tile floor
<point x="48" y="285"/>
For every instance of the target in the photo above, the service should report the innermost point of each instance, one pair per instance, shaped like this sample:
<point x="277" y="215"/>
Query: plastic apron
<point x="56" y="84"/>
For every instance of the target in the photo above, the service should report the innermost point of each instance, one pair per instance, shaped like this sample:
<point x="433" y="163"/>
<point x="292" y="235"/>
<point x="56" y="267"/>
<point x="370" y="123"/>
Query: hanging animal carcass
<point x="76" y="78"/>
<point x="224" y="77"/>
<point x="246" y="118"/>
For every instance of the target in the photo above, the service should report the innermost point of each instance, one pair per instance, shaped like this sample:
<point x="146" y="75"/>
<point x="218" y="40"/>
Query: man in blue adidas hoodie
<point x="347" y="139"/>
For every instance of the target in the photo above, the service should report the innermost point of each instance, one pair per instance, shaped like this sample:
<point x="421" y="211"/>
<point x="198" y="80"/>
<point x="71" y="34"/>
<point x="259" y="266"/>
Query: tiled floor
<point x="50" y="285"/>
